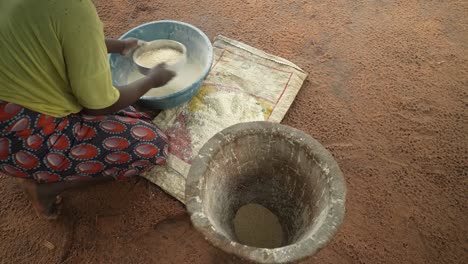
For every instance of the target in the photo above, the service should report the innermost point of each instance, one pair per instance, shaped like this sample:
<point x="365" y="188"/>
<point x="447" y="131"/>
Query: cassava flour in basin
<point x="189" y="74"/>
<point x="152" y="58"/>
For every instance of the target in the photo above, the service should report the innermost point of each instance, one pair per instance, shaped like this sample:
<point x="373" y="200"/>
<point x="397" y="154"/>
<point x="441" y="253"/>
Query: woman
<point x="62" y="123"/>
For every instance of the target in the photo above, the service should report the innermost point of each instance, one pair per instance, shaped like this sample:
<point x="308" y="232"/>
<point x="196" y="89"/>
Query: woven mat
<point x="266" y="85"/>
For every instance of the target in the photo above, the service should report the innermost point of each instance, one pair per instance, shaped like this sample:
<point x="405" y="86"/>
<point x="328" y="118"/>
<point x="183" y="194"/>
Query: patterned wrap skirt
<point x="78" y="147"/>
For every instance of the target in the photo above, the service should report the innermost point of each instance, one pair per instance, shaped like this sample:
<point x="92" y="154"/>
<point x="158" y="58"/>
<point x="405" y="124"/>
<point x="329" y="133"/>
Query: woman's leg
<point x="76" y="151"/>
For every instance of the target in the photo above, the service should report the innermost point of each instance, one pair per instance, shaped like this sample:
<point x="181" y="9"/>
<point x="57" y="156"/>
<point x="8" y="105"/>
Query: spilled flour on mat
<point x="219" y="111"/>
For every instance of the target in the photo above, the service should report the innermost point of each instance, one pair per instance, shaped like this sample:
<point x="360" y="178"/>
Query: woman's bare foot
<point x="45" y="197"/>
<point x="45" y="201"/>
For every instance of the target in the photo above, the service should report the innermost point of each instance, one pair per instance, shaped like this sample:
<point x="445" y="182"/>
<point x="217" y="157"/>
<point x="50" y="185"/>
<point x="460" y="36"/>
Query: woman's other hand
<point x="130" y="45"/>
<point x="160" y="75"/>
<point x="123" y="47"/>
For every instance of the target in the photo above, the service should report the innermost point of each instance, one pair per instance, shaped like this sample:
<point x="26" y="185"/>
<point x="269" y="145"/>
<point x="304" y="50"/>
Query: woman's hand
<point x="160" y="75"/>
<point x="123" y="47"/>
<point x="130" y="45"/>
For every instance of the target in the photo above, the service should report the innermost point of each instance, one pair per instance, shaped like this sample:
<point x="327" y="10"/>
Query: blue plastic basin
<point x="198" y="46"/>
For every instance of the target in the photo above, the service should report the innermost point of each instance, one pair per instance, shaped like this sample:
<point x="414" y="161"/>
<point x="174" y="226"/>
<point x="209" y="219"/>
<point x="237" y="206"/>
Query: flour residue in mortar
<point x="218" y="111"/>
<point x="256" y="226"/>
<point x="185" y="77"/>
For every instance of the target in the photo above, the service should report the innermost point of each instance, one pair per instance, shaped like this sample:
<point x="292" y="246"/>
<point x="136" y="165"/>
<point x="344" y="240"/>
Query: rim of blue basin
<point x="207" y="66"/>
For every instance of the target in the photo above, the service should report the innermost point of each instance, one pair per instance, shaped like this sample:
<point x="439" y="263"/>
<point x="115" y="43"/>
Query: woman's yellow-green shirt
<point x="53" y="57"/>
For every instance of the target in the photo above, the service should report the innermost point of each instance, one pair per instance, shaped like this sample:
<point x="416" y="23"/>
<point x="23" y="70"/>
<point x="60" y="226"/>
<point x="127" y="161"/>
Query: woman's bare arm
<point x="130" y="93"/>
<point x="114" y="45"/>
<point x="122" y="47"/>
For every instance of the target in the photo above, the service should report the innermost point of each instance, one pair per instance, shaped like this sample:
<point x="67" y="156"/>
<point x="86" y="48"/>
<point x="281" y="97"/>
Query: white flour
<point x="151" y="58"/>
<point x="219" y="111"/>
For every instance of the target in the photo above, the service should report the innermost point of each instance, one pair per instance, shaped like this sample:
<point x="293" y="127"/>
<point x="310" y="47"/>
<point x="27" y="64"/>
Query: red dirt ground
<point x="387" y="94"/>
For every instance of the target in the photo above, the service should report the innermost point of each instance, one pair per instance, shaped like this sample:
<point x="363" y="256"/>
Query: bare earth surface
<point x="387" y="94"/>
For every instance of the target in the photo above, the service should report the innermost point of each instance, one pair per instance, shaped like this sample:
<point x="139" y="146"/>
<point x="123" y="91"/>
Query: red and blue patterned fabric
<point x="78" y="147"/>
